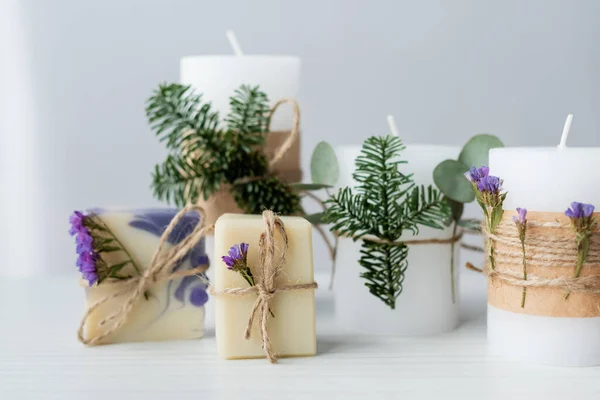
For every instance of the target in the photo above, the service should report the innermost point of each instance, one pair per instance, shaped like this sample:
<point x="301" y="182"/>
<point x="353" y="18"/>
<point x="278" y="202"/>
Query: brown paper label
<point x="551" y="252"/>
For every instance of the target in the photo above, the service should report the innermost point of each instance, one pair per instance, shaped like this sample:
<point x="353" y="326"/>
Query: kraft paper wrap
<point x="551" y="252"/>
<point x="282" y="149"/>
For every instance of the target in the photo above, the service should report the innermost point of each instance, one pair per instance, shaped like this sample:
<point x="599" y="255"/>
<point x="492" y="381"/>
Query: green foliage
<point x="266" y="194"/>
<point x="449" y="177"/>
<point x="104" y="242"/>
<point x="324" y="166"/>
<point x="385" y="204"/>
<point x="477" y="150"/>
<point x="203" y="157"/>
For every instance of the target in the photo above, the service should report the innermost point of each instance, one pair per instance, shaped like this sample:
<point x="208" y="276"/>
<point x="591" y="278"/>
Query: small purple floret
<point x="87" y="256"/>
<point x="579" y="210"/>
<point x="521" y="216"/>
<point x="474" y="175"/>
<point x="237" y="253"/>
<point x="490" y="184"/>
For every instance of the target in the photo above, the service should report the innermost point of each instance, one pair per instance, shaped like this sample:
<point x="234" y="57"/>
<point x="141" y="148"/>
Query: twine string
<point x="415" y="242"/>
<point x="289" y="142"/>
<point x="544" y="250"/>
<point x="160" y="270"/>
<point x="268" y="270"/>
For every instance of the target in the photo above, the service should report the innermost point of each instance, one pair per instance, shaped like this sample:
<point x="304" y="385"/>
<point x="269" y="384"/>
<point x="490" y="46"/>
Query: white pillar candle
<point x="217" y="77"/>
<point x="546" y="179"/>
<point x="426" y="304"/>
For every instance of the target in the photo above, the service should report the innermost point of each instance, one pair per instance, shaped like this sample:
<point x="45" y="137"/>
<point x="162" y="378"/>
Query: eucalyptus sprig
<point x="385" y="205"/>
<point x="449" y="174"/>
<point x="204" y="157"/>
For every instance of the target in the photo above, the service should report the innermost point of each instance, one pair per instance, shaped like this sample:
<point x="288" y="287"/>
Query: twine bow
<point x="160" y="270"/>
<point x="266" y="287"/>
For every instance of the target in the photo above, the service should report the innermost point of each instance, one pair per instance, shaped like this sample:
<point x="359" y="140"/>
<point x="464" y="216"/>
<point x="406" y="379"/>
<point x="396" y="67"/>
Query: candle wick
<point x="392" y="125"/>
<point x="565" y="133"/>
<point x="235" y="45"/>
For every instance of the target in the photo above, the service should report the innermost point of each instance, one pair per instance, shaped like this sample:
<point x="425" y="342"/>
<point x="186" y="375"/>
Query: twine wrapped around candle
<point x="266" y="287"/>
<point x="160" y="270"/>
<point x="551" y="256"/>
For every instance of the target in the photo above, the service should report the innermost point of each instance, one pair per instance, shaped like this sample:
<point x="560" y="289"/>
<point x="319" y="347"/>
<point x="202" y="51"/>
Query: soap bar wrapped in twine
<point x="160" y="270"/>
<point x="551" y="255"/>
<point x="163" y="261"/>
<point x="268" y="270"/>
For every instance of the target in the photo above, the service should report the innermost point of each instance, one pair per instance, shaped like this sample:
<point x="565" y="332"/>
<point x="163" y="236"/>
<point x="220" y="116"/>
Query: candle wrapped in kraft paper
<point x="550" y="257"/>
<point x="283" y="152"/>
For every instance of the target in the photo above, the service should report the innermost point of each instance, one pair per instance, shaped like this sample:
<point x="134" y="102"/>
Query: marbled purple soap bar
<point x="123" y="243"/>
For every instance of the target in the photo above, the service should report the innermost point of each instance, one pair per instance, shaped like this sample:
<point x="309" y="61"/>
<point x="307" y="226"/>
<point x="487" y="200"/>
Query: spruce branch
<point x="204" y="158"/>
<point x="385" y="204"/>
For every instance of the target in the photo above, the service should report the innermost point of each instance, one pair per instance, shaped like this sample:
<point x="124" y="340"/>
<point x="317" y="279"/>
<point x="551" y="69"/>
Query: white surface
<point x="426" y="304"/>
<point x="40" y="358"/>
<point x="546" y="179"/>
<point x="217" y="77"/>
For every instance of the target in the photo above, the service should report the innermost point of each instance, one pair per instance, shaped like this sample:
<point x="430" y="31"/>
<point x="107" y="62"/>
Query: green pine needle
<point x="385" y="204"/>
<point x="203" y="157"/>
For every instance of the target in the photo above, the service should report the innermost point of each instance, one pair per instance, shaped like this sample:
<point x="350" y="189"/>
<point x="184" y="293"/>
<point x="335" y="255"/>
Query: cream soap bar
<point x="171" y="309"/>
<point x="292" y="329"/>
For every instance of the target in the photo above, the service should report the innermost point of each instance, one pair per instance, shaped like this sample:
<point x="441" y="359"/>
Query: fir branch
<point x="386" y="204"/>
<point x="249" y="115"/>
<point x="176" y="113"/>
<point x="266" y="194"/>
<point x="203" y="158"/>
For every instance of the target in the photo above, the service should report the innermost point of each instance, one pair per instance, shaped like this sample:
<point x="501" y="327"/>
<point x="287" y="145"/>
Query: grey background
<point x="445" y="69"/>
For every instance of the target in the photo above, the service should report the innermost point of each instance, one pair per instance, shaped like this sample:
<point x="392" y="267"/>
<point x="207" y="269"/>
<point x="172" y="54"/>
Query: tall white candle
<point x="217" y="77"/>
<point x="546" y="179"/>
<point x="426" y="304"/>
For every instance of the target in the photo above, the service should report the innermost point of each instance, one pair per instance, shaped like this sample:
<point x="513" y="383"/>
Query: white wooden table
<point x="41" y="358"/>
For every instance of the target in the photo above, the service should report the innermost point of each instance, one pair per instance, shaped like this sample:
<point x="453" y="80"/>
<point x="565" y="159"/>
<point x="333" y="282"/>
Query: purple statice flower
<point x="237" y="256"/>
<point x="87" y="266"/>
<point x="521" y="217"/>
<point x="474" y="175"/>
<point x="76" y="220"/>
<point x="87" y="257"/>
<point x="579" y="210"/>
<point x="490" y="184"/>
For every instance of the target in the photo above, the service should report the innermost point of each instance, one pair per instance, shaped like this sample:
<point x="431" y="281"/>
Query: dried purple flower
<point x="87" y="257"/>
<point x="237" y="257"/>
<point x="474" y="175"/>
<point x="490" y="184"/>
<point x="579" y="210"/>
<point x="76" y="221"/>
<point x="521" y="217"/>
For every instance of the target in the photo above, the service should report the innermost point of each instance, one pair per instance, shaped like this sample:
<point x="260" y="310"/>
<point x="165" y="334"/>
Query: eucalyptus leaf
<point x="324" y="166"/>
<point x="457" y="209"/>
<point x="450" y="179"/>
<point x="476" y="152"/>
<point x="315" y="219"/>
<point x="302" y="187"/>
